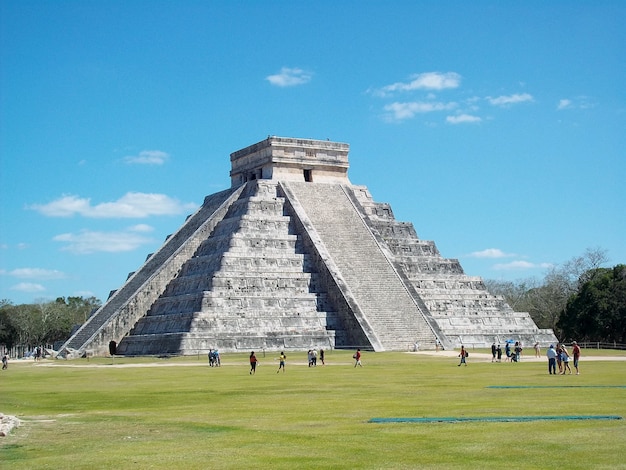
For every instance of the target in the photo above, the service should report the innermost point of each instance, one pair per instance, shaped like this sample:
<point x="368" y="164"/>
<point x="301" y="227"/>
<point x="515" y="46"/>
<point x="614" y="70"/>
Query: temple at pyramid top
<point x="288" y="159"/>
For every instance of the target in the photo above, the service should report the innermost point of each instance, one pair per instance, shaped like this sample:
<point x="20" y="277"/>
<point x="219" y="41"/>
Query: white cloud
<point x="87" y="241"/>
<point x="578" y="102"/>
<point x="564" y="104"/>
<point x="520" y="265"/>
<point x="491" y="253"/>
<point x="137" y="205"/>
<point x="506" y="100"/>
<point x="424" y="81"/>
<point x="141" y="228"/>
<point x="462" y="118"/>
<point x="290" y="77"/>
<point x="28" y="287"/>
<point x="399" y="111"/>
<point x="35" y="273"/>
<point x="148" y="157"/>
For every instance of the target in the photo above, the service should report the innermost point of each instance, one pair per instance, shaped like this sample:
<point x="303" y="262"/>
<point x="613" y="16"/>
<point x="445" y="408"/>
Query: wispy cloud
<point x="147" y="157"/>
<point x="35" y="273"/>
<point x="462" y="119"/>
<point x="520" y="265"/>
<point x="28" y="287"/>
<point x="507" y="100"/>
<point x="579" y="102"/>
<point x="400" y="111"/>
<point x="564" y="104"/>
<point x="290" y="77"/>
<point x="131" y="205"/>
<point x="491" y="253"/>
<point x="87" y="241"/>
<point x="422" y="81"/>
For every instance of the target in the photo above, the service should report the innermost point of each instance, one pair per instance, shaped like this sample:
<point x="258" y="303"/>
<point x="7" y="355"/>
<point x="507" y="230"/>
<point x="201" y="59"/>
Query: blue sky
<point x="496" y="128"/>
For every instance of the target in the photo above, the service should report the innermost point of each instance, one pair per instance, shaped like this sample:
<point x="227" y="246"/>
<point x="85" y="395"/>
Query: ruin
<point x="294" y="256"/>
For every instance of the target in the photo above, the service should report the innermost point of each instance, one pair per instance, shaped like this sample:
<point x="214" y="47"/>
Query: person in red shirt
<point x="576" y="354"/>
<point x="253" y="362"/>
<point x="357" y="358"/>
<point x="463" y="355"/>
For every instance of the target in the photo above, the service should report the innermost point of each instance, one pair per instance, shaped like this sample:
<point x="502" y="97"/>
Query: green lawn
<point x="180" y="413"/>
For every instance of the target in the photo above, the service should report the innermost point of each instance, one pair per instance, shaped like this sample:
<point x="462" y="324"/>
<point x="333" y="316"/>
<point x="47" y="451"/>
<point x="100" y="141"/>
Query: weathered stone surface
<point x="294" y="256"/>
<point x="7" y="423"/>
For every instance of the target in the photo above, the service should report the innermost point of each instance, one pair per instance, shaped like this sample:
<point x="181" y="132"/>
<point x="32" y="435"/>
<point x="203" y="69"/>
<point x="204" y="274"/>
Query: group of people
<point x="512" y="354"/>
<point x="312" y="357"/>
<point x="214" y="358"/>
<point x="559" y="357"/>
<point x="496" y="353"/>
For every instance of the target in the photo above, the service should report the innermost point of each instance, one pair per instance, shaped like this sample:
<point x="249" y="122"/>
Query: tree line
<point x="44" y="322"/>
<point x="579" y="299"/>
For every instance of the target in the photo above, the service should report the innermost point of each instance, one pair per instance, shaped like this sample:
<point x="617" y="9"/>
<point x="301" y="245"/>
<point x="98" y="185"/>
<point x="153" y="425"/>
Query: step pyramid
<point x="294" y="256"/>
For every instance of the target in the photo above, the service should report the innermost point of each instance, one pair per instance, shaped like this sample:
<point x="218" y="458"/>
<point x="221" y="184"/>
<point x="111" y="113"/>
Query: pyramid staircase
<point x="380" y="299"/>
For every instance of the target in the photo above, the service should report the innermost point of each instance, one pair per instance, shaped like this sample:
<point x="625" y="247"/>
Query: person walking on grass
<point x="565" y="360"/>
<point x="253" y="362"/>
<point x="493" y="352"/>
<point x="576" y="354"/>
<point x="282" y="359"/>
<point x="357" y="358"/>
<point x="551" y="355"/>
<point x="463" y="355"/>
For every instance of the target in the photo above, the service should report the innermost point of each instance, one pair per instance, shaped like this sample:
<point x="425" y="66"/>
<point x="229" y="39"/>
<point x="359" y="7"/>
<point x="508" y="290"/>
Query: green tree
<point x="546" y="300"/>
<point x="597" y="312"/>
<point x="8" y="334"/>
<point x="44" y="322"/>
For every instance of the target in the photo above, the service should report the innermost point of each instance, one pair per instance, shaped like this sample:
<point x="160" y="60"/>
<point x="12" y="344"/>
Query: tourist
<point x="565" y="360"/>
<point x="357" y="358"/>
<point x="253" y="362"/>
<point x="463" y="355"/>
<point x="507" y="351"/>
<point x="559" y="358"/>
<point x="281" y="365"/>
<point x="576" y="354"/>
<point x="537" y="349"/>
<point x="437" y="345"/>
<point x="551" y="355"/>
<point x="494" y="351"/>
<point x="518" y="351"/>
<point x="499" y="353"/>
<point x="322" y="356"/>
<point x="313" y="357"/>
<point x="216" y="358"/>
<point x="5" y="361"/>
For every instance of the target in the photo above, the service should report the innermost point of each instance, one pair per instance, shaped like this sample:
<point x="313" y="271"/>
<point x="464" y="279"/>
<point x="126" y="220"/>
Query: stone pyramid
<point x="294" y="256"/>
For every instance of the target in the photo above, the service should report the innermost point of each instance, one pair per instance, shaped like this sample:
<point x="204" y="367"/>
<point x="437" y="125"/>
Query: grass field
<point x="180" y="413"/>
